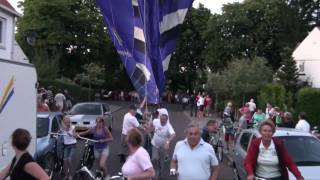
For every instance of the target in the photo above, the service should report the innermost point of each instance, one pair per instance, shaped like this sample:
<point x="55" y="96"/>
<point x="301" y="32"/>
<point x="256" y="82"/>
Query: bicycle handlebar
<point x="87" y="139"/>
<point x="57" y="134"/>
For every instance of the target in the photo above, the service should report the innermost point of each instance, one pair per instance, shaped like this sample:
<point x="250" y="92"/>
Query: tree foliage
<point x="241" y="77"/>
<point x="253" y="28"/>
<point x="91" y="76"/>
<point x="186" y="69"/>
<point x="274" y="94"/>
<point x="308" y="100"/>
<point x="71" y="32"/>
<point x="288" y="73"/>
<point x="309" y="11"/>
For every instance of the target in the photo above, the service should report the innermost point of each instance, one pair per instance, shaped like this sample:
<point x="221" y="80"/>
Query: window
<point x="244" y="141"/>
<point x="301" y="67"/>
<point x="303" y="149"/>
<point x="2" y="31"/>
<point x="42" y="127"/>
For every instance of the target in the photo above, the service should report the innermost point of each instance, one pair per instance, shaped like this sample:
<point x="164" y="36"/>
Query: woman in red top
<point x="268" y="158"/>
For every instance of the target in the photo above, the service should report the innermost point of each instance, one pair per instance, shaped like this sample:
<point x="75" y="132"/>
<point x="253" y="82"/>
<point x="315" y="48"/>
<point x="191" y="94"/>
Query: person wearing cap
<point x="129" y="121"/>
<point x="163" y="136"/>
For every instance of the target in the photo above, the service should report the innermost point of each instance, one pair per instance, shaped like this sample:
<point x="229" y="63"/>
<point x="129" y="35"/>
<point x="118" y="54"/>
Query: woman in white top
<point x="268" y="158"/>
<point x="69" y="141"/>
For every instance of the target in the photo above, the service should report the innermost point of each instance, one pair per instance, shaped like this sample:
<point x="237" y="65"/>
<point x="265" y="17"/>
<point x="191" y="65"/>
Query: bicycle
<point x="53" y="160"/>
<point x="86" y="162"/>
<point x="216" y="143"/>
<point x="117" y="177"/>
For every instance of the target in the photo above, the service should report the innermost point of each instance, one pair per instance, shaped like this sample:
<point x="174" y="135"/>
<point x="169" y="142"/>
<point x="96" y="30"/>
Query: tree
<point x="71" y="32"/>
<point x="91" y="75"/>
<point x="241" y="77"/>
<point x="274" y="94"/>
<point x="253" y="28"/>
<point x="309" y="11"/>
<point x="288" y="73"/>
<point x="186" y="69"/>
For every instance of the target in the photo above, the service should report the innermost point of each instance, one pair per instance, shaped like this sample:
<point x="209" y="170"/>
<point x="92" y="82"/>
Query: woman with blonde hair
<point x="101" y="134"/>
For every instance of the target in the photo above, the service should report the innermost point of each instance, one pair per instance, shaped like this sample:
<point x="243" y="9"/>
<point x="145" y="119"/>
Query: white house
<point x="307" y="56"/>
<point x="9" y="49"/>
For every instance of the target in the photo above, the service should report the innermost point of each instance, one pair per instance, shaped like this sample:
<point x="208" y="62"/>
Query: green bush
<point x="78" y="93"/>
<point x="274" y="94"/>
<point x="308" y="100"/>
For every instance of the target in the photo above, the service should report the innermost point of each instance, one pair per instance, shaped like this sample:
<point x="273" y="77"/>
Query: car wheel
<point x="235" y="173"/>
<point x="48" y="164"/>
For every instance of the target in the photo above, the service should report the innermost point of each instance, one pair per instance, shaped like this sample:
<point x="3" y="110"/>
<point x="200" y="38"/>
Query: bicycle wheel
<point x="48" y="164"/>
<point x="82" y="175"/>
<point x="219" y="151"/>
<point x="88" y="157"/>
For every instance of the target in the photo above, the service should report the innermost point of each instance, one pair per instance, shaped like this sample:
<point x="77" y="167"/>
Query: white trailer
<point x="18" y="105"/>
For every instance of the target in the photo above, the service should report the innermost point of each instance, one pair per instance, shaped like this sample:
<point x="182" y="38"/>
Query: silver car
<point x="303" y="147"/>
<point x="83" y="115"/>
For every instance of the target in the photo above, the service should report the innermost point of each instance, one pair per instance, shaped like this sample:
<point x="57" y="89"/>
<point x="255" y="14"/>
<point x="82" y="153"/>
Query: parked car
<point x="46" y="122"/>
<point x="83" y="115"/>
<point x="303" y="148"/>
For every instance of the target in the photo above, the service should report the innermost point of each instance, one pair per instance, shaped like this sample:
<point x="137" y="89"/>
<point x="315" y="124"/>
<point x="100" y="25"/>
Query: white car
<point x="303" y="147"/>
<point x="83" y="115"/>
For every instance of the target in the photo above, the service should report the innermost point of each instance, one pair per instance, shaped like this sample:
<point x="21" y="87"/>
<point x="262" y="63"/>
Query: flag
<point x="144" y="33"/>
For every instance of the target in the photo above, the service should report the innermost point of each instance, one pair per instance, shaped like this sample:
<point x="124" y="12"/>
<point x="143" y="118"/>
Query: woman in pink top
<point x="138" y="165"/>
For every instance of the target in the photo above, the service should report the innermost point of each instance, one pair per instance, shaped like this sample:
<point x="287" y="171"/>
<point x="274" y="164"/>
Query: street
<point x="179" y="121"/>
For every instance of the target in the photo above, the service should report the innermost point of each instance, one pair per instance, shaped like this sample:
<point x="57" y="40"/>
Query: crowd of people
<point x="54" y="100"/>
<point x="145" y="142"/>
<point x="253" y="116"/>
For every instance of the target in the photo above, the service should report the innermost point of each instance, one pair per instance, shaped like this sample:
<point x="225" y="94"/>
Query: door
<point x="241" y="152"/>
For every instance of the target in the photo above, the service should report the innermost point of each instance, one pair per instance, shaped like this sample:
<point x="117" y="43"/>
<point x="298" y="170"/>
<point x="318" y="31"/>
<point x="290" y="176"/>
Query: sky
<point x="214" y="5"/>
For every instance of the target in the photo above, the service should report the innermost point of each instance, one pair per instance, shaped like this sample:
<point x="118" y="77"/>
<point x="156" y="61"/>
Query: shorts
<point x="201" y="108"/>
<point x="101" y="152"/>
<point x="228" y="137"/>
<point x="68" y="151"/>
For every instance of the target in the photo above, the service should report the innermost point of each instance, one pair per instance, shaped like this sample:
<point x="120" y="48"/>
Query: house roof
<point x="309" y="48"/>
<point x="4" y="4"/>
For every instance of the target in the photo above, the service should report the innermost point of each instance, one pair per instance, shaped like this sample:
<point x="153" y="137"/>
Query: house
<point x="9" y="48"/>
<point x="307" y="57"/>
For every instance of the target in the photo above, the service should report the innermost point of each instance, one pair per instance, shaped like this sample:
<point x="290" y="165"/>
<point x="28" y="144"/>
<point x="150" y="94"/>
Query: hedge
<point x="274" y="94"/>
<point x="78" y="93"/>
<point x="308" y="100"/>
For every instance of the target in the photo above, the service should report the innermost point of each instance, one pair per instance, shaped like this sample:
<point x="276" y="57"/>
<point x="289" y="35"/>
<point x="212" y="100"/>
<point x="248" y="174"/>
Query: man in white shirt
<point x="200" y="105"/>
<point x="193" y="158"/>
<point x="252" y="106"/>
<point x="163" y="135"/>
<point x="129" y="122"/>
<point x="302" y="124"/>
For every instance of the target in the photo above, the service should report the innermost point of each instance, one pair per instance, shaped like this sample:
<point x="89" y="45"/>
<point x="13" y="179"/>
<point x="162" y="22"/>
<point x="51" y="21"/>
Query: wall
<point x="311" y="72"/>
<point x="6" y="51"/>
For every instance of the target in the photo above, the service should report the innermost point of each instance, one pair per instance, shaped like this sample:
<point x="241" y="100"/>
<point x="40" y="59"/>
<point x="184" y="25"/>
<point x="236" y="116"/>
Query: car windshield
<point x="303" y="149"/>
<point x="87" y="109"/>
<point x="42" y="127"/>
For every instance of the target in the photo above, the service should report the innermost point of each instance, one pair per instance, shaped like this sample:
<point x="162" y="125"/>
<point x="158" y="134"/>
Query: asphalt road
<point x="179" y="122"/>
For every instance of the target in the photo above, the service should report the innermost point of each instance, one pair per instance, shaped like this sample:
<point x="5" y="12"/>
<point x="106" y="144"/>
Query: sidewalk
<point x="202" y="122"/>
